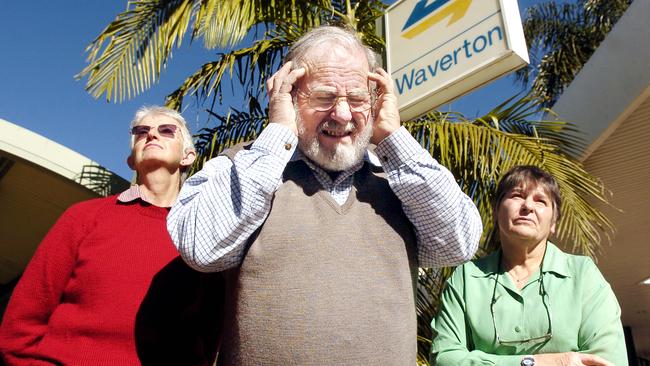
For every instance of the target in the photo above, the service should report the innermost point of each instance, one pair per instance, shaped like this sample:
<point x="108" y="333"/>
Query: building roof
<point x="39" y="179"/>
<point x="610" y="101"/>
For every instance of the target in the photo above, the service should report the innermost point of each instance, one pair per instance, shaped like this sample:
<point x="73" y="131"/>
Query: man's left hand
<point x="386" y="113"/>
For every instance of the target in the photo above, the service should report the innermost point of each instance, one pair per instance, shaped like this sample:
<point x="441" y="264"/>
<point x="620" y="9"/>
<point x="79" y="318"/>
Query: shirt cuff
<point x="397" y="148"/>
<point x="277" y="140"/>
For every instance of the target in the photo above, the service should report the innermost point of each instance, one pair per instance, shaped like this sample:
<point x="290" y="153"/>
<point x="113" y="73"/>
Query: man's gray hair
<point x="321" y="36"/>
<point x="153" y="110"/>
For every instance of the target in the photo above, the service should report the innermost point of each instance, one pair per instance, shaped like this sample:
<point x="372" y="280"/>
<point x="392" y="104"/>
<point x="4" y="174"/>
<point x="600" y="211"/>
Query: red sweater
<point x="106" y="287"/>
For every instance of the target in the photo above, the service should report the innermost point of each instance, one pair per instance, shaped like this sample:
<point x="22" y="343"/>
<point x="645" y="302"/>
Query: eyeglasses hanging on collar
<point x="547" y="306"/>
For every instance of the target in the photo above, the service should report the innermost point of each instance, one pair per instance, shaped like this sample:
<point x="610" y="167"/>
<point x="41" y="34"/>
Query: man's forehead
<point x="333" y="48"/>
<point x="337" y="73"/>
<point x="334" y="54"/>
<point x="351" y="88"/>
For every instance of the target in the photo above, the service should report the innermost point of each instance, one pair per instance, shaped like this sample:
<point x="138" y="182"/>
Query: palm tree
<point x="129" y="54"/>
<point x="561" y="38"/>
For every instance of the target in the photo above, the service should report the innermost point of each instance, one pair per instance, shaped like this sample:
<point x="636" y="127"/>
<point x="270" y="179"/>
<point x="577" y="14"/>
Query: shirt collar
<point x="488" y="265"/>
<point x="133" y="193"/>
<point x="554" y="261"/>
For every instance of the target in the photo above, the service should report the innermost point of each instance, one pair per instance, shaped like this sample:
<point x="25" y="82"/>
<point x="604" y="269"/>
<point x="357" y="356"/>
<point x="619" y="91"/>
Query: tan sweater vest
<point x="323" y="284"/>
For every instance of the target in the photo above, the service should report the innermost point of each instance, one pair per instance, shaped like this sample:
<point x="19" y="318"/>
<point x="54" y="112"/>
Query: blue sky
<point x="43" y="45"/>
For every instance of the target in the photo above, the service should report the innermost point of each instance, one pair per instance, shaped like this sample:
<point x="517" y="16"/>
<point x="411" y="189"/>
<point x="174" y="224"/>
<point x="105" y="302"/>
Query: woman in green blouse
<point x="528" y="303"/>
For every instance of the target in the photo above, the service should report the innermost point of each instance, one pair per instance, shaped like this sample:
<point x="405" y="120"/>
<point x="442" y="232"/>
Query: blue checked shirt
<point x="221" y="206"/>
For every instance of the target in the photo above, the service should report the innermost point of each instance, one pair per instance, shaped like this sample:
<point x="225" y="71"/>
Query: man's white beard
<point x="341" y="157"/>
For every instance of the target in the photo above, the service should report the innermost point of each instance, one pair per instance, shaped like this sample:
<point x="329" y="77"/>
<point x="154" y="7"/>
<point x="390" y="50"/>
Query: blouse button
<point x="517" y="329"/>
<point x="287" y="146"/>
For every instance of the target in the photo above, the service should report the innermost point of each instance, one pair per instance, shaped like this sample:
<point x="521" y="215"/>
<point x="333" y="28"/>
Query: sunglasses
<point x="164" y="130"/>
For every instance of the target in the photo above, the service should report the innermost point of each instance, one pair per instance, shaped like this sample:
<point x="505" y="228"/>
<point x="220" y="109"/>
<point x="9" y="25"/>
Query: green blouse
<point x="585" y="316"/>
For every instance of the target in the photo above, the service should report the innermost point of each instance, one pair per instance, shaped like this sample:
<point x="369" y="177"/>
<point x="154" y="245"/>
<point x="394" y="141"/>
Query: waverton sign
<point x="437" y="50"/>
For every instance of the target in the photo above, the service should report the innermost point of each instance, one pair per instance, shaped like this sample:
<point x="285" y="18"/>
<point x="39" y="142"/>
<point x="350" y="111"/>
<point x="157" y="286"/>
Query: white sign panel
<point x="437" y="50"/>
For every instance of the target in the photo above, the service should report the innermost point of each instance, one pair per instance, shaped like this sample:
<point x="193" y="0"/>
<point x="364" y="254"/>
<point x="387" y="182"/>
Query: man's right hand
<point x="570" y="359"/>
<point x="279" y="86"/>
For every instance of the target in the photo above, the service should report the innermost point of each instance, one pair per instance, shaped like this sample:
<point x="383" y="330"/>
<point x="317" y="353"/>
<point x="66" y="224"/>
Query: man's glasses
<point x="547" y="336"/>
<point x="164" y="130"/>
<point x="323" y="101"/>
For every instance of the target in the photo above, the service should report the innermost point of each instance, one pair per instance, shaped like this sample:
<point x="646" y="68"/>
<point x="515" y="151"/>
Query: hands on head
<point x="279" y="88"/>
<point x="281" y="106"/>
<point x="570" y="359"/>
<point x="386" y="113"/>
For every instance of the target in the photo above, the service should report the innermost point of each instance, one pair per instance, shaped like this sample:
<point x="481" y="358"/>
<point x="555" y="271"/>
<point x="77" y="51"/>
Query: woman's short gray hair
<point x="318" y="37"/>
<point x="153" y="110"/>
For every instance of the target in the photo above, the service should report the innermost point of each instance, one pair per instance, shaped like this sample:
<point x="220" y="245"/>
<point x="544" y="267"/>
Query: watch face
<point x="528" y="361"/>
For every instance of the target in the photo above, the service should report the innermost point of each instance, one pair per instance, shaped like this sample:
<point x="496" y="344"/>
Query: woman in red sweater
<point x="106" y="286"/>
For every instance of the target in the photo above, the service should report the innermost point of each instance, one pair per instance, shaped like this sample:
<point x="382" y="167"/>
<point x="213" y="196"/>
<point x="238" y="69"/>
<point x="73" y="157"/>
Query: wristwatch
<point x="528" y="361"/>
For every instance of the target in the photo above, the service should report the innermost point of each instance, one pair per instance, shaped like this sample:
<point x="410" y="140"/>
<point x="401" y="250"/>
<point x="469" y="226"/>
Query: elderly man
<point x="320" y="243"/>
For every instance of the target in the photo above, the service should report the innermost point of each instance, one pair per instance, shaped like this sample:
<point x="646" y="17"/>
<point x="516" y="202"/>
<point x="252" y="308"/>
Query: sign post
<point x="438" y="50"/>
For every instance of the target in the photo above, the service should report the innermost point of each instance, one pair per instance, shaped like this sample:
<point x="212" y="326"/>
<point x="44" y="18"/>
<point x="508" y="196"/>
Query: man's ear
<point x="130" y="162"/>
<point x="188" y="158"/>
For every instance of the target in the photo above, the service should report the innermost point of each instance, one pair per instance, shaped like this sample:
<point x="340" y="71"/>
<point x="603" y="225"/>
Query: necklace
<point x="518" y="280"/>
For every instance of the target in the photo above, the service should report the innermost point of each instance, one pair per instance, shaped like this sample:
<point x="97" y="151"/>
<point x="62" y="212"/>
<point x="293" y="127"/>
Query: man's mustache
<point x="333" y="126"/>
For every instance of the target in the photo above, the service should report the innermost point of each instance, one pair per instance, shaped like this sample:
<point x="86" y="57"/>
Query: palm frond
<point x="361" y="17"/>
<point x="252" y="66"/>
<point x="605" y="13"/>
<point x="223" y="23"/>
<point x="479" y="154"/>
<point x="226" y="23"/>
<point x="555" y="34"/>
<point x="135" y="48"/>
<point x="233" y="127"/>
<point x="366" y="15"/>
<point x="523" y="114"/>
<point x="129" y="55"/>
<point x="562" y="38"/>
